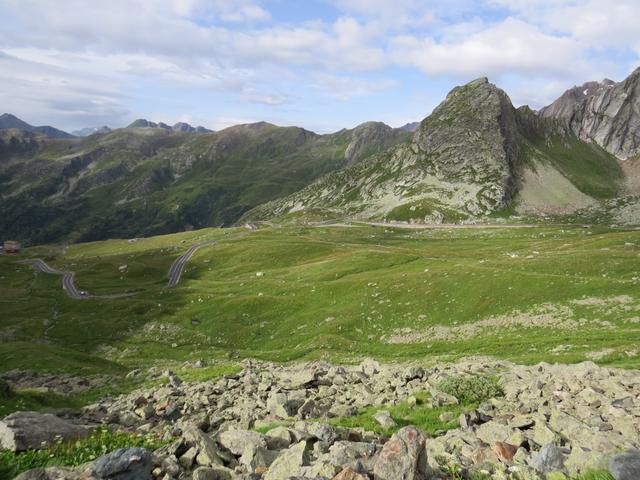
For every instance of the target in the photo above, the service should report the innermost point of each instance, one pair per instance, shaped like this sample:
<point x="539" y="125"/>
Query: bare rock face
<point x="462" y="158"/>
<point x="403" y="457"/>
<point x="606" y="112"/>
<point x="29" y="430"/>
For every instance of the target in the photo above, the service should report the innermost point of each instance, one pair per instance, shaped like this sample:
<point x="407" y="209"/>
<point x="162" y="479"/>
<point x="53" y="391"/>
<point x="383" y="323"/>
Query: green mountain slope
<point x="473" y="156"/>
<point x="142" y="181"/>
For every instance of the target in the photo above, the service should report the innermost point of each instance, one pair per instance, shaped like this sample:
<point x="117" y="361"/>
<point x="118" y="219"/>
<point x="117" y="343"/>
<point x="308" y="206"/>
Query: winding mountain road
<point x="175" y="272"/>
<point x="67" y="278"/>
<point x="174" y="276"/>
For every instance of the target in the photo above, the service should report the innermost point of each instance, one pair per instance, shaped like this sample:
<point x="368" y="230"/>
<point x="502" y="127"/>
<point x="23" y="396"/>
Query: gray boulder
<point x="213" y="473"/>
<point x="626" y="466"/>
<point x="289" y="463"/>
<point x="237" y="440"/>
<point x="29" y="430"/>
<point x="403" y="457"/>
<point x="208" y="454"/>
<point x="550" y="458"/>
<point x="124" y="464"/>
<point x="385" y="420"/>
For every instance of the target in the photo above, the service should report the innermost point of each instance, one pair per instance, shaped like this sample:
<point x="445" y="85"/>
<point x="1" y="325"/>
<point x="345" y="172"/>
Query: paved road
<point x="67" y="278"/>
<point x="175" y="272"/>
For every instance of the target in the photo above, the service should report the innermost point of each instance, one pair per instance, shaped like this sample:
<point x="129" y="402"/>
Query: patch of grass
<point x="72" y="453"/>
<point x="471" y="388"/>
<point x="209" y="373"/>
<point x="596" y="475"/>
<point x="333" y="293"/>
<point x="35" y="400"/>
<point x="271" y="426"/>
<point x="422" y="415"/>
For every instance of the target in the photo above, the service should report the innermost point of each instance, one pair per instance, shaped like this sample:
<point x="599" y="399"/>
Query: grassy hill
<point x="521" y="293"/>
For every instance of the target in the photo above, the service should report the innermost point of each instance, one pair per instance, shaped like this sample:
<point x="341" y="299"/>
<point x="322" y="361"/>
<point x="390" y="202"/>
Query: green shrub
<point x="71" y="453"/>
<point x="470" y="388"/>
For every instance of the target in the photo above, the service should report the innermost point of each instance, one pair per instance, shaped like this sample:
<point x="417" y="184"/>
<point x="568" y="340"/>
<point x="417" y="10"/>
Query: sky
<point x="319" y="64"/>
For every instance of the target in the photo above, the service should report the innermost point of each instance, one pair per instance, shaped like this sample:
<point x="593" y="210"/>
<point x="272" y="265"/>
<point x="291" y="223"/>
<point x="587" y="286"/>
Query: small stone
<point x="447" y="417"/>
<point x="385" y="420"/>
<point x="504" y="451"/>
<point x="350" y="474"/>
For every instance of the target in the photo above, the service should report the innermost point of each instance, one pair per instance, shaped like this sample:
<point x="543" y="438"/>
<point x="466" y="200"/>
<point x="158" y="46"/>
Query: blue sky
<point x="320" y="64"/>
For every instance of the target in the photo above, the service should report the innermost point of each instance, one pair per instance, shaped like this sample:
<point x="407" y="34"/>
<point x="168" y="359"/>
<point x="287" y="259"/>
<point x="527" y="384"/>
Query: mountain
<point x="178" y="127"/>
<point x="9" y="121"/>
<point x="475" y="155"/>
<point x="85" y="132"/>
<point x="143" y="180"/>
<point x="606" y="113"/>
<point x="410" y="127"/>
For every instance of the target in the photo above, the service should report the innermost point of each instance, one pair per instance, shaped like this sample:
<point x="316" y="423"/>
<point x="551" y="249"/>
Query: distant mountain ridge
<point x="178" y="127"/>
<point x="85" y="132"/>
<point x="146" y="179"/>
<point x="476" y="156"/>
<point x="8" y="121"/>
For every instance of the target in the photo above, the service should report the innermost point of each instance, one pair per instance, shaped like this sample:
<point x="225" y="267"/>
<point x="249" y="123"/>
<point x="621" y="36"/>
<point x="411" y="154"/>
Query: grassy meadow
<point x="528" y="294"/>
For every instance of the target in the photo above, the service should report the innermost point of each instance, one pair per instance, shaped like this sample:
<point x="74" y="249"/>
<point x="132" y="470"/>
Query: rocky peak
<point x="605" y="112"/>
<point x="8" y="120"/>
<point x="367" y="137"/>
<point x="178" y="127"/>
<point x="183" y="127"/>
<point x="142" y="123"/>
<point x="472" y="136"/>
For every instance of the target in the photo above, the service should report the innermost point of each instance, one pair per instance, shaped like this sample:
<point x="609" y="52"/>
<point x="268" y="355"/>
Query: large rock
<point x="208" y="454"/>
<point x="29" y="430"/>
<point x="285" y="405"/>
<point x="124" y="464"/>
<point x="213" y="473"/>
<point x="403" y="457"/>
<point x="257" y="459"/>
<point x="237" y="440"/>
<point x="550" y="458"/>
<point x="289" y="463"/>
<point x="350" y="474"/>
<point x="626" y="466"/>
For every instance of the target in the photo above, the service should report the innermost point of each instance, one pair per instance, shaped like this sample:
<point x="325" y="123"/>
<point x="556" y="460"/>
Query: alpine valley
<point x="454" y="299"/>
<point x="476" y="157"/>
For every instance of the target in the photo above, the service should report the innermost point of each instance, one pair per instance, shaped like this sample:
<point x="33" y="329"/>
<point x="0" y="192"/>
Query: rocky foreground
<point x="549" y="418"/>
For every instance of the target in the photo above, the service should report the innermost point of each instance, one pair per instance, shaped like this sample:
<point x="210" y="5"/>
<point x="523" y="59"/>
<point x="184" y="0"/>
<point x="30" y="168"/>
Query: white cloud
<point x="507" y="47"/>
<point x="56" y="94"/>
<point x="94" y="53"/>
<point x="345" y="88"/>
